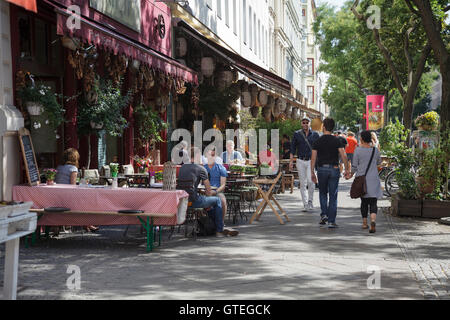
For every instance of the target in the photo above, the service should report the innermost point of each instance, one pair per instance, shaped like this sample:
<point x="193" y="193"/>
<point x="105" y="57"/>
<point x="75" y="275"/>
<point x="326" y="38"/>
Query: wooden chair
<point x="267" y="197"/>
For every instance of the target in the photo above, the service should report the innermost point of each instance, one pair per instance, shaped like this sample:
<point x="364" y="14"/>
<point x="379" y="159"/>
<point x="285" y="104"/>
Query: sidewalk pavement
<point x="298" y="260"/>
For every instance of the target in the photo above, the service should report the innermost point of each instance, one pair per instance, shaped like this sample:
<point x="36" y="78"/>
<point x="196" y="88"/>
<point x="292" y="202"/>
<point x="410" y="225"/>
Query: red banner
<point x="27" y="4"/>
<point x="374" y="112"/>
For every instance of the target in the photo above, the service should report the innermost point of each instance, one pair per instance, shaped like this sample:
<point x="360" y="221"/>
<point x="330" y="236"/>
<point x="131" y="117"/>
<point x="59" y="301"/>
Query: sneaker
<point x="221" y="234"/>
<point x="323" y="220"/>
<point x="230" y="232"/>
<point x="310" y="205"/>
<point x="332" y="225"/>
<point x="305" y="208"/>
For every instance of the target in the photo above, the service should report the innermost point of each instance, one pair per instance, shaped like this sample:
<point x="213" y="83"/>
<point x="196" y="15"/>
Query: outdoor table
<point x="98" y="205"/>
<point x="267" y="197"/>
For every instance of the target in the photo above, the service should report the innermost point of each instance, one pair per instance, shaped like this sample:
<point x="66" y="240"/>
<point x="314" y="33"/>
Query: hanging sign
<point x="126" y="12"/>
<point x="374" y="112"/>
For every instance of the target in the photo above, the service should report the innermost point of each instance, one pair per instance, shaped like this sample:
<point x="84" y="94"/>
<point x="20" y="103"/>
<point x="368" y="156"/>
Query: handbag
<point x="359" y="185"/>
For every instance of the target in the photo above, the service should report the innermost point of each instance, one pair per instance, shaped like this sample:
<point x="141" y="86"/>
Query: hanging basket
<point x="276" y="111"/>
<point x="267" y="114"/>
<point x="244" y="85"/>
<point x="34" y="109"/>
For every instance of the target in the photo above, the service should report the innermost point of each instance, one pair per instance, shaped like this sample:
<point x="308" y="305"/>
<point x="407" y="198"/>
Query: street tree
<point x="402" y="41"/>
<point x="432" y="14"/>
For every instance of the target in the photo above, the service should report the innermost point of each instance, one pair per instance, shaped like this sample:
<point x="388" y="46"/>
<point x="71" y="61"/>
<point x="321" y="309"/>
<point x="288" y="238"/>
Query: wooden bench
<point x="146" y="219"/>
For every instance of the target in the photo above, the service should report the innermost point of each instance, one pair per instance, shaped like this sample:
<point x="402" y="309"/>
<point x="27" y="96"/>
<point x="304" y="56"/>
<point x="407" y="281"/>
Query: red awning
<point x="100" y="36"/>
<point x="27" y="4"/>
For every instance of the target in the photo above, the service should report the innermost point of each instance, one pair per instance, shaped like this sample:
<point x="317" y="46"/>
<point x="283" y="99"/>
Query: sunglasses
<point x="306" y="122"/>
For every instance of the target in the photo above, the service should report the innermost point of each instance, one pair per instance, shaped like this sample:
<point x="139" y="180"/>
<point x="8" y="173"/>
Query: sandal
<point x="365" y="226"/>
<point x="372" y="227"/>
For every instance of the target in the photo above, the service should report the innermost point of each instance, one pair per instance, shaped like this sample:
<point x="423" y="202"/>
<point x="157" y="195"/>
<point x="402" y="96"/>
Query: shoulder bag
<point x="359" y="185"/>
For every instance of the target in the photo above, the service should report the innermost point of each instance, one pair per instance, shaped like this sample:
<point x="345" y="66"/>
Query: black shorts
<point x="366" y="204"/>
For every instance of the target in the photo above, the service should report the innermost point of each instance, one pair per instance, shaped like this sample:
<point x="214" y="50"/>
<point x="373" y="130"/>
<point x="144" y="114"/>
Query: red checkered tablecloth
<point x="107" y="199"/>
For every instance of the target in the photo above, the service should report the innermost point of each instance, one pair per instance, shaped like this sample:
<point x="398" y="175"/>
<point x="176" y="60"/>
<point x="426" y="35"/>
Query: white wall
<point x="10" y="118"/>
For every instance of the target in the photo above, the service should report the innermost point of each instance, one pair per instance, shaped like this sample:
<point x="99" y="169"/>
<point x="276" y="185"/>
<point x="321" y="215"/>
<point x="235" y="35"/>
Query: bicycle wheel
<point x="383" y="173"/>
<point x="391" y="185"/>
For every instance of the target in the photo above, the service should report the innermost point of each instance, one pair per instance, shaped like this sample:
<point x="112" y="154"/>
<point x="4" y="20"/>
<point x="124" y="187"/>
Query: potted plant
<point x="149" y="125"/>
<point x="428" y="121"/>
<point x="100" y="111"/>
<point x="114" y="168"/>
<point x="236" y="169"/>
<point x="436" y="204"/>
<point x="40" y="99"/>
<point x="50" y="175"/>
<point x="407" y="201"/>
<point x="158" y="176"/>
<point x="143" y="164"/>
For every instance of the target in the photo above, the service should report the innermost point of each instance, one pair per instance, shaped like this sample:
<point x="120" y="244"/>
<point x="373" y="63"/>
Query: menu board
<point x="29" y="157"/>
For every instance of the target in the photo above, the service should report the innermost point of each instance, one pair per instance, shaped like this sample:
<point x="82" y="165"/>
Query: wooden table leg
<point x="273" y="208"/>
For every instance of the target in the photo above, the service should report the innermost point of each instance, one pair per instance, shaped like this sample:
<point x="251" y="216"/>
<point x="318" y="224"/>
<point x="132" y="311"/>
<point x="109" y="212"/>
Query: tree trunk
<point x="433" y="31"/>
<point x="445" y="101"/>
<point x="408" y="108"/>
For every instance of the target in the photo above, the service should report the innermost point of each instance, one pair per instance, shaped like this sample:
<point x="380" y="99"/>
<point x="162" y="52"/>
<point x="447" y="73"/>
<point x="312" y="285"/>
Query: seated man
<point x="231" y="156"/>
<point x="195" y="172"/>
<point x="217" y="177"/>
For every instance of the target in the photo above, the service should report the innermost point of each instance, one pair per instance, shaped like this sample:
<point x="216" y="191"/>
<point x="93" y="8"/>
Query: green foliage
<point x="214" y="101"/>
<point x="288" y="127"/>
<point x="44" y="96"/>
<point x="392" y="142"/>
<point x="236" y="168"/>
<point x="149" y="125"/>
<point x="392" y="137"/>
<point x="107" y="109"/>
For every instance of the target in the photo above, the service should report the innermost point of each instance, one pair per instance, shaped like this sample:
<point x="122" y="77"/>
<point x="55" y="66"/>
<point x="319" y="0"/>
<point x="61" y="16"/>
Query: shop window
<point x="25" y="37"/>
<point x="311" y="66"/>
<point x="310" y="94"/>
<point x="41" y="42"/>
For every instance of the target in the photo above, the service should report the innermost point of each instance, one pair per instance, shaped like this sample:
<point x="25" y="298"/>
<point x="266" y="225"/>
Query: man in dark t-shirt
<point x="195" y="173"/>
<point x="326" y="151"/>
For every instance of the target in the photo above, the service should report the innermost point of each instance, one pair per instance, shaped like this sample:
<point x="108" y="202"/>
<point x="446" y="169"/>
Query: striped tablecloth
<point x="107" y="199"/>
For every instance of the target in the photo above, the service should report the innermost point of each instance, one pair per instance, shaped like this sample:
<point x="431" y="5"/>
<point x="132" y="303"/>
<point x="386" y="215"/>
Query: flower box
<point x="435" y="209"/>
<point x="406" y="208"/>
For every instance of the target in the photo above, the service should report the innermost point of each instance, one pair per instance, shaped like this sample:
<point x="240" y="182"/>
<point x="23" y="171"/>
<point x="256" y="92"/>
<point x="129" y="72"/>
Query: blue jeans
<point x="328" y="188"/>
<point x="215" y="213"/>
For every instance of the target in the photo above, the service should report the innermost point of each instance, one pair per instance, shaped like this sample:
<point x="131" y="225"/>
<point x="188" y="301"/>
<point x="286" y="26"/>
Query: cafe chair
<point x="92" y="175"/>
<point x="169" y="176"/>
<point x="127" y="169"/>
<point x="192" y="214"/>
<point x="105" y="171"/>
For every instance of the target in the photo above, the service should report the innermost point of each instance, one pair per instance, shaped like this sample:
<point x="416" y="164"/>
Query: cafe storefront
<point x="71" y="46"/>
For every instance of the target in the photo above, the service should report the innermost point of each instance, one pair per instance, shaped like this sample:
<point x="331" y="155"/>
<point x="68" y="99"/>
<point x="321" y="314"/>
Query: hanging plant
<point x="106" y="108"/>
<point x="149" y="125"/>
<point x="40" y="98"/>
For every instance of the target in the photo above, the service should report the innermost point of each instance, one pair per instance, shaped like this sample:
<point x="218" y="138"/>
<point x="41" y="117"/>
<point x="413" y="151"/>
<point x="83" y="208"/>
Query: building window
<point x="235" y="17"/>
<point x="227" y="14"/>
<point x="219" y="9"/>
<point x="244" y="21"/>
<point x="250" y="30"/>
<point x="311" y="94"/>
<point x="304" y="12"/>
<point x="311" y="66"/>
<point x="255" y="32"/>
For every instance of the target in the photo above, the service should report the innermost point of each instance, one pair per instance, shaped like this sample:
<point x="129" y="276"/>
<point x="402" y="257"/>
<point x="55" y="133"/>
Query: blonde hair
<point x="71" y="156"/>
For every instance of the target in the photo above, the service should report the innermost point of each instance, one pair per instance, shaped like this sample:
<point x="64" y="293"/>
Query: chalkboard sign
<point x="29" y="157"/>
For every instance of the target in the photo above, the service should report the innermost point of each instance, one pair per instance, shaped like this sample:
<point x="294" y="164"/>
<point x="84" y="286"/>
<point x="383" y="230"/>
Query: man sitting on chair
<point x="218" y="178"/>
<point x="195" y="172"/>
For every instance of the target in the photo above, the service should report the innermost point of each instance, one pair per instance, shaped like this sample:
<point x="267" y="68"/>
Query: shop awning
<point x="248" y="68"/>
<point x="100" y="36"/>
<point x="27" y="4"/>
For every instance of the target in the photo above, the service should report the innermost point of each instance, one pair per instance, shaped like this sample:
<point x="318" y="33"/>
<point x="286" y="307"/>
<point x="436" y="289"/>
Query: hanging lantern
<point x="207" y="66"/>
<point x="270" y="101"/>
<point x="246" y="99"/>
<point x="235" y="75"/>
<point x="267" y="114"/>
<point x="254" y="111"/>
<point x="263" y="97"/>
<point x="181" y="47"/>
<point x="276" y="111"/>
<point x="288" y="110"/>
<point x="244" y="85"/>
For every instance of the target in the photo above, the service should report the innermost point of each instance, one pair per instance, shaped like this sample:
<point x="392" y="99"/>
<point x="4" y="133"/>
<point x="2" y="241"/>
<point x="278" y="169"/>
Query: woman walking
<point x="366" y="158"/>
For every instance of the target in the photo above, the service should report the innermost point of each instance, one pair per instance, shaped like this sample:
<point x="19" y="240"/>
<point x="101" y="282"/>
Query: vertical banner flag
<point x="27" y="4"/>
<point x="374" y="112"/>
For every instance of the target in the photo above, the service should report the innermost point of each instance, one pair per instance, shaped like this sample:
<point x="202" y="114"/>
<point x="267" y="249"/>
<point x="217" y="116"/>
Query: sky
<point x="336" y="3"/>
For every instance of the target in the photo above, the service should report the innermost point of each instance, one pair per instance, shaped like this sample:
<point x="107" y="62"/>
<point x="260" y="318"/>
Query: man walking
<point x="301" y="145"/>
<point x="326" y="151"/>
<point x="350" y="148"/>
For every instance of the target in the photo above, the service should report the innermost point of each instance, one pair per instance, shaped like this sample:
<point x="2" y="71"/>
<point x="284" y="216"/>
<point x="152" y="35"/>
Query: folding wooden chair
<point x="267" y="197"/>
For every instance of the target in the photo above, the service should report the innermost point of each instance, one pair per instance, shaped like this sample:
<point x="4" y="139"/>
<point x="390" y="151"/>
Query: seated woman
<point x="68" y="172"/>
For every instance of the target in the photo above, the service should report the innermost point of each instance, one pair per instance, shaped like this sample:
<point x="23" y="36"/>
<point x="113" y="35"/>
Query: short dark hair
<point x="286" y="136"/>
<point x="366" y="136"/>
<point x="328" y="124"/>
